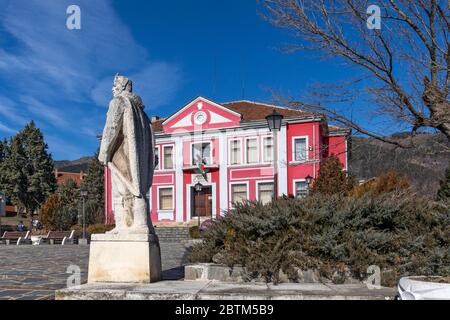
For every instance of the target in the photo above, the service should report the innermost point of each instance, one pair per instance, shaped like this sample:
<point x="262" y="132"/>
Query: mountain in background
<point x="424" y="164"/>
<point x="73" y="165"/>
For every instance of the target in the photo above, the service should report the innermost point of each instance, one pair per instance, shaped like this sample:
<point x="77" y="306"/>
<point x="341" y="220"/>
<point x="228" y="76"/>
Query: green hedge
<point x="402" y="233"/>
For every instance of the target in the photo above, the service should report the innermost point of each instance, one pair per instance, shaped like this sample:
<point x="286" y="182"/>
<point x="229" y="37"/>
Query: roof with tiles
<point x="254" y="111"/>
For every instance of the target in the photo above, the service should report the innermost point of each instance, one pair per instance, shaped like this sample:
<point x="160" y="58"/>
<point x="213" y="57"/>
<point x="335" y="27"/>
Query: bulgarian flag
<point x="201" y="168"/>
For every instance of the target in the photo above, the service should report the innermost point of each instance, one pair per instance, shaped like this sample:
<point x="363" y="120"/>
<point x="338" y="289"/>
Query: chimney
<point x="155" y="118"/>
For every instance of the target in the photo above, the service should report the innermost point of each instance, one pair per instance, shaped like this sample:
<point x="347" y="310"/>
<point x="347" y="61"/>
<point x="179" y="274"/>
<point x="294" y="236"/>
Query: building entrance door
<point x="202" y="202"/>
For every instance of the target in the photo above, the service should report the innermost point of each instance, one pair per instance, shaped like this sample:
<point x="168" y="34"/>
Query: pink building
<point x="232" y="144"/>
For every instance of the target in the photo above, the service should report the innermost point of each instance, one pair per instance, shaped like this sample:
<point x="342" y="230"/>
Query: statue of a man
<point x="127" y="149"/>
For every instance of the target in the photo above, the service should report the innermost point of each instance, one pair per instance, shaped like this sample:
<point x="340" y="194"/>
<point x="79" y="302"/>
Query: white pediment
<point x="185" y="122"/>
<point x="217" y="118"/>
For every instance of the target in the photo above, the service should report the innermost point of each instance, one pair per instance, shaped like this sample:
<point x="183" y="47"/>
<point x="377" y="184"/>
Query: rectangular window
<point x="201" y="153"/>
<point x="168" y="157"/>
<point x="166" y="199"/>
<point x="235" y="151"/>
<point x="157" y="159"/>
<point x="252" y="150"/>
<point x="300" y="150"/>
<point x="301" y="189"/>
<point x="238" y="193"/>
<point x="265" y="192"/>
<point x="268" y="149"/>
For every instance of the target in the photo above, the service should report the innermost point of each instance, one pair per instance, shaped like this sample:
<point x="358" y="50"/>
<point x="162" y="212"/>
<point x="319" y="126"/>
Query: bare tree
<point x="401" y="70"/>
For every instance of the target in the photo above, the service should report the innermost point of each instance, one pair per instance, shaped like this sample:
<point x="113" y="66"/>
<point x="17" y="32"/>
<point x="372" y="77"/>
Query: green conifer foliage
<point x="444" y="191"/>
<point x="332" y="179"/>
<point x="94" y="183"/>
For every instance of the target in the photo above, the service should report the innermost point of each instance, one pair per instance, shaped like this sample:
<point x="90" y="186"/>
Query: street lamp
<point x="84" y="193"/>
<point x="309" y="180"/>
<point x="274" y="121"/>
<point x="198" y="187"/>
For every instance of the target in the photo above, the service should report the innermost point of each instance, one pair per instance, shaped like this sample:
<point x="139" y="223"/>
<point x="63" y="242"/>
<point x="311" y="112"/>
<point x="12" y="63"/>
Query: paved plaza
<point x="35" y="272"/>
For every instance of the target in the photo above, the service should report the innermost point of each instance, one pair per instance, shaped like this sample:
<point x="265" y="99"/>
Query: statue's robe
<point x="128" y="143"/>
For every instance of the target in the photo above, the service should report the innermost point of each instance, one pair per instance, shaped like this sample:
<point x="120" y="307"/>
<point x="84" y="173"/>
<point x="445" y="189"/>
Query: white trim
<point x="246" y="150"/>
<point x="196" y="100"/>
<point x="263" y="160"/>
<point x="229" y="151"/>
<point x="306" y="145"/>
<point x="262" y="182"/>
<point x="179" y="179"/>
<point x="158" y="199"/>
<point x="223" y="174"/>
<point x="165" y="215"/>
<point x="163" y="157"/>
<point x="294" y="182"/>
<point x="231" y="194"/>
<point x="346" y="155"/>
<point x="210" y="151"/>
<point x="282" y="183"/>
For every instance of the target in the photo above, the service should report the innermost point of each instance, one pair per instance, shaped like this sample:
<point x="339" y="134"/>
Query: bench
<point x="15" y="236"/>
<point x="63" y="237"/>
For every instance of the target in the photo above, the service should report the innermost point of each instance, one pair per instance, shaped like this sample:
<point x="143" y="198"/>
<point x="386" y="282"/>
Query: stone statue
<point x="127" y="149"/>
<point x="130" y="253"/>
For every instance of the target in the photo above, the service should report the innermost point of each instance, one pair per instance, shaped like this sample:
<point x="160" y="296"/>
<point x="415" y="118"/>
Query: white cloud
<point x="6" y="129"/>
<point x="71" y="62"/>
<point x="9" y="110"/>
<point x="156" y="83"/>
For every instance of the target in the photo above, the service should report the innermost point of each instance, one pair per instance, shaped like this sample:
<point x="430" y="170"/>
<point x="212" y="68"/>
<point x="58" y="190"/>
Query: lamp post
<point x="308" y="180"/>
<point x="274" y="121"/>
<point x="198" y="188"/>
<point x="84" y="193"/>
<point x="2" y="199"/>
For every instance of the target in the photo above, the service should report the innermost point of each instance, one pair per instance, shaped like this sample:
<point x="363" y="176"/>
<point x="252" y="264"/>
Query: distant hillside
<point x="73" y="165"/>
<point x="424" y="165"/>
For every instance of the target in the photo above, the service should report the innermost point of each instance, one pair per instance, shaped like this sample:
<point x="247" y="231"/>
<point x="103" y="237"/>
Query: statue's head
<point x="121" y="83"/>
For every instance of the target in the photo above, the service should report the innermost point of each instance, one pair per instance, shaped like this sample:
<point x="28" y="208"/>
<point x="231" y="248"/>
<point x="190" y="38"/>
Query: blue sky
<point x="173" y="51"/>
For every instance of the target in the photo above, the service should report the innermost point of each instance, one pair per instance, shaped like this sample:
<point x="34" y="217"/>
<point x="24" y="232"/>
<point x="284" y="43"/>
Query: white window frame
<point x="263" y="182"/>
<point x="163" y="166"/>
<point x="230" y="189"/>
<point x="159" y="200"/>
<point x="294" y="187"/>
<point x="307" y="149"/>
<point x="229" y="152"/>
<point x="210" y="151"/>
<point x="264" y="160"/>
<point x="246" y="150"/>
<point x="158" y="154"/>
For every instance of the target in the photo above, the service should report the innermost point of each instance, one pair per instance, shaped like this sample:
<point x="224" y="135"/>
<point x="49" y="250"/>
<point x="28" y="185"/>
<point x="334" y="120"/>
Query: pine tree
<point x="94" y="183"/>
<point x="332" y="179"/>
<point x="39" y="167"/>
<point x="444" y="191"/>
<point x="27" y="170"/>
<point x="13" y="180"/>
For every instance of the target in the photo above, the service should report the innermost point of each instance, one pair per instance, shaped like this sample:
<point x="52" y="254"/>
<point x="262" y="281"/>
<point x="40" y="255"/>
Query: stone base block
<point x="124" y="258"/>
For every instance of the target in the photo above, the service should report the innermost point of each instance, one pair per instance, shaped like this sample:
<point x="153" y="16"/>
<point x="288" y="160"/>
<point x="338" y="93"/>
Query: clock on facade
<point x="200" y="118"/>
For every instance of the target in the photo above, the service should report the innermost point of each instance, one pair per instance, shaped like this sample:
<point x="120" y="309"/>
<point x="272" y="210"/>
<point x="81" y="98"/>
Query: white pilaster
<point x="179" y="194"/>
<point x="223" y="156"/>
<point x="282" y="162"/>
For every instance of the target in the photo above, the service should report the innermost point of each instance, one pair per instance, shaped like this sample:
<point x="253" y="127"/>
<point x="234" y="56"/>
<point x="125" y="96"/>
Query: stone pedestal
<point x="130" y="258"/>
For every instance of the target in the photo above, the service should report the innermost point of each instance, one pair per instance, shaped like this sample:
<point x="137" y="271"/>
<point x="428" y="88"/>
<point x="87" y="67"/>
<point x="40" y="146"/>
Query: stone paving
<point x="35" y="272"/>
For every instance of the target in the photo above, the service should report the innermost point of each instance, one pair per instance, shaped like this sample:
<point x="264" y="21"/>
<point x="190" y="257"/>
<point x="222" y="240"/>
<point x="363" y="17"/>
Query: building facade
<point x="229" y="149"/>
